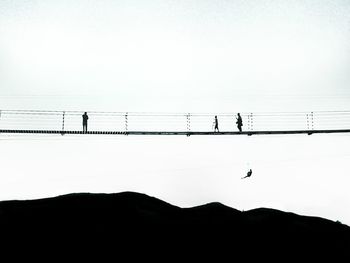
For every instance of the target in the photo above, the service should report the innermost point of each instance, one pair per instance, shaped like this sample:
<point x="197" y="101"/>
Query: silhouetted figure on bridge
<point x="249" y="174"/>
<point x="239" y="122"/>
<point x="216" y="124"/>
<point x="85" y="122"/>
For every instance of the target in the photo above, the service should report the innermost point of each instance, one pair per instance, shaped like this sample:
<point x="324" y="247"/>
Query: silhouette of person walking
<point x="216" y="124"/>
<point x="249" y="174"/>
<point x="85" y="122"/>
<point x="239" y="122"/>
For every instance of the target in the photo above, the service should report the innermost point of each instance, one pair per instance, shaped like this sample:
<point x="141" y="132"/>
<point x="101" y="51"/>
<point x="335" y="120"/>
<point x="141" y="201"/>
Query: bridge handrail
<point x="166" y="121"/>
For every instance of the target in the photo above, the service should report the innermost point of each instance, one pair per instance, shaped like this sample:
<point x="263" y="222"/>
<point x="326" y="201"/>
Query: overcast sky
<point x="162" y="55"/>
<point x="179" y="56"/>
<point x="303" y="174"/>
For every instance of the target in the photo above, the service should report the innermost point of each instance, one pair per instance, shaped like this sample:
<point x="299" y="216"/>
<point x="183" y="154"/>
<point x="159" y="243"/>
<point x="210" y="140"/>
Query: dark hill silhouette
<point x="145" y="225"/>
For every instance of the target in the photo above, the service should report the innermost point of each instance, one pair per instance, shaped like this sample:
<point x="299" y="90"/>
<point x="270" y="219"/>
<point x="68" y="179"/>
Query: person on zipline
<point x="85" y="122"/>
<point x="216" y="124"/>
<point x="249" y="174"/>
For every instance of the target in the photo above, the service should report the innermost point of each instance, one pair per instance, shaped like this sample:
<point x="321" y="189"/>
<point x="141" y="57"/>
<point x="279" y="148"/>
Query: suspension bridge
<point x="127" y="123"/>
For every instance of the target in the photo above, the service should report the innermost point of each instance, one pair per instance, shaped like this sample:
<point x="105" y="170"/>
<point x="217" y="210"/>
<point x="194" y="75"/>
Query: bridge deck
<point x="187" y="133"/>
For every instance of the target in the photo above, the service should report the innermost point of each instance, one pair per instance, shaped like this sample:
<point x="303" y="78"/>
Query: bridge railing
<point x="195" y="122"/>
<point x="331" y="120"/>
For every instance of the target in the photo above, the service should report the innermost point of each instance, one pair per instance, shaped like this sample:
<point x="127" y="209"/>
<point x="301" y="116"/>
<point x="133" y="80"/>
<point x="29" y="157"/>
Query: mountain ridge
<point x="137" y="220"/>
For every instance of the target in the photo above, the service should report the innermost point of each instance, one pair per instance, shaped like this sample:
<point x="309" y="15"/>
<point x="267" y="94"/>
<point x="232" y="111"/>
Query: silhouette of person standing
<point x="216" y="124"/>
<point x="239" y="122"/>
<point x="85" y="121"/>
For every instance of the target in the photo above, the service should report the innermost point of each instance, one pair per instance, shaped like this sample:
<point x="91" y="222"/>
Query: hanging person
<point x="249" y="174"/>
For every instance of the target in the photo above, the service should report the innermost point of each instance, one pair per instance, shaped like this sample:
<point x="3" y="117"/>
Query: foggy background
<point x="179" y="56"/>
<point x="187" y="56"/>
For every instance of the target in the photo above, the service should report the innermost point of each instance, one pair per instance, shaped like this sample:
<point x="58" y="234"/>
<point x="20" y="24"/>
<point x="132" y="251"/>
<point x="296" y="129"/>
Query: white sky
<point x="175" y="55"/>
<point x="179" y="56"/>
<point x="297" y="173"/>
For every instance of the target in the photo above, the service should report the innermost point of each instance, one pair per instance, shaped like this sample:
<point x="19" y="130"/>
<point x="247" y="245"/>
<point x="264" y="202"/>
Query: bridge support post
<point x="126" y="123"/>
<point x="251" y="121"/>
<point x="63" y="115"/>
<point x="188" y="123"/>
<point x="310" y="122"/>
<point x="248" y="122"/>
